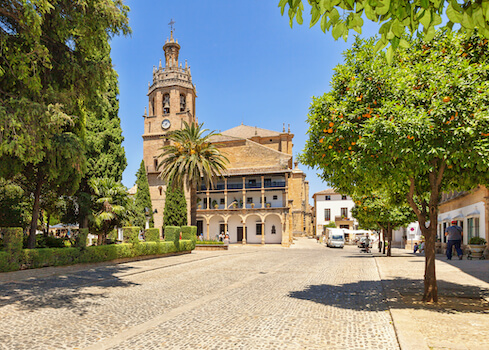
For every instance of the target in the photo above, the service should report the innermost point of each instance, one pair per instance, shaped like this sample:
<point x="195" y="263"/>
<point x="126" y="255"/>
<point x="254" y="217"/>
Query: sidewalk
<point x="460" y="320"/>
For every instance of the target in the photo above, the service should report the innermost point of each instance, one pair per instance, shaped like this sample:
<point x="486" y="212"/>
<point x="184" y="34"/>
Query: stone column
<point x="262" y="233"/>
<point x="225" y="193"/>
<point x="285" y="230"/>
<point x="207" y="199"/>
<point x="208" y="238"/>
<point x="244" y="233"/>
<point x="244" y="193"/>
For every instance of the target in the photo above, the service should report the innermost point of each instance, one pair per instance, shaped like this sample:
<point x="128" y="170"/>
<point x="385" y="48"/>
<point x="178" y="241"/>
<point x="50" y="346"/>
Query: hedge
<point x="12" y="242"/>
<point x="42" y="257"/>
<point x="189" y="232"/>
<point x="152" y="235"/>
<point x="131" y="234"/>
<point x="172" y="234"/>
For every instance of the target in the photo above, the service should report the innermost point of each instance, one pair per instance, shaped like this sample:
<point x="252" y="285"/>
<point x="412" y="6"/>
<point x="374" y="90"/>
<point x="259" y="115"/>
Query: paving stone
<point x="251" y="297"/>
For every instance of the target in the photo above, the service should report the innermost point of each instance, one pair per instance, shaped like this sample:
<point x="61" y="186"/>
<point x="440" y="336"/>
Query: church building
<point x="261" y="197"/>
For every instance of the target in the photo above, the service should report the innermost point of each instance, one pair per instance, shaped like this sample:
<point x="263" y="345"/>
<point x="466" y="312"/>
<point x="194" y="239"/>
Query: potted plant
<point x="241" y="203"/>
<point x="214" y="204"/>
<point x="477" y="246"/>
<point x="199" y="205"/>
<point x="252" y="205"/>
<point x="268" y="204"/>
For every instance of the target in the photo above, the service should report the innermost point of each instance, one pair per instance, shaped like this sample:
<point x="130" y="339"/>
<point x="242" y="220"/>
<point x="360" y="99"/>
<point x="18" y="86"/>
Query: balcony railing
<point x="239" y="186"/>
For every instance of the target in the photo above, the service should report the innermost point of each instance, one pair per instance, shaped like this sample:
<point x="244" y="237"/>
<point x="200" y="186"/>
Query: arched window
<point x="156" y="163"/>
<point x="161" y="190"/>
<point x="274" y="230"/>
<point x="183" y="103"/>
<point x="166" y="103"/>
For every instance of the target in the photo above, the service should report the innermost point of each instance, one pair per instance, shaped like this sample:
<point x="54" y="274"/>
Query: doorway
<point x="239" y="231"/>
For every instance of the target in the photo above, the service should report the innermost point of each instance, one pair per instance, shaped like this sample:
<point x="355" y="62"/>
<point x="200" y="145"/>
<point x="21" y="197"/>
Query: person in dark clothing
<point x="454" y="236"/>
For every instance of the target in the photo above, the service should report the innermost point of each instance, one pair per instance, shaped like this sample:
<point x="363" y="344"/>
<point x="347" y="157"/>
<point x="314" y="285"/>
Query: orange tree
<point x="418" y="126"/>
<point x="382" y="211"/>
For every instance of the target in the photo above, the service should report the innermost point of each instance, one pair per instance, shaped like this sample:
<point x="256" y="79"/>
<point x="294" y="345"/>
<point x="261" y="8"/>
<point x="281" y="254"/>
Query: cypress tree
<point x="175" y="207"/>
<point x="143" y="199"/>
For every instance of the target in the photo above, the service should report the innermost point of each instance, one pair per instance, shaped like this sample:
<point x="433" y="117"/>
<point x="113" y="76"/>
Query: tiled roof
<point x="223" y="138"/>
<point x="246" y="132"/>
<point x="328" y="191"/>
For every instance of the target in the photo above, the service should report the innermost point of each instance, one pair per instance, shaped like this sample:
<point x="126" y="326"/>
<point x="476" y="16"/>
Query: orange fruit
<point x="330" y="131"/>
<point x="330" y="147"/>
<point x="353" y="143"/>
<point x="321" y="140"/>
<point x="446" y="99"/>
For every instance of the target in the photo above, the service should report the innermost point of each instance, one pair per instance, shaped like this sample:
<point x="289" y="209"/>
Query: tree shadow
<point x="65" y="291"/>
<point x="401" y="293"/>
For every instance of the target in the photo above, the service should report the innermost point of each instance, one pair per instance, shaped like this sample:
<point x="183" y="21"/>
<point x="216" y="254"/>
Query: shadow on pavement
<point x="64" y="291"/>
<point x="401" y="293"/>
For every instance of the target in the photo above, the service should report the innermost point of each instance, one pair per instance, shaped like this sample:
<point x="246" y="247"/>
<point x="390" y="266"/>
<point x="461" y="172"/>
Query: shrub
<point x="152" y="235"/>
<point x="12" y="241"/>
<point x="81" y="238"/>
<point x="131" y="234"/>
<point x="172" y="234"/>
<point x="41" y="257"/>
<point x="186" y="244"/>
<point x="210" y="242"/>
<point x="477" y="241"/>
<point x="189" y="232"/>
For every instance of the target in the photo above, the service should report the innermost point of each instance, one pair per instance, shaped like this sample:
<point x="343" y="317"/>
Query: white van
<point x="336" y="238"/>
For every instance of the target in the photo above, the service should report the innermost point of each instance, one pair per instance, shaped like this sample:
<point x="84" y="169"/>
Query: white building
<point x="333" y="207"/>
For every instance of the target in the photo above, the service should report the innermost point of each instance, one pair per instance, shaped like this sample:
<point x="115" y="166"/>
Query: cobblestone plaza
<point x="249" y="297"/>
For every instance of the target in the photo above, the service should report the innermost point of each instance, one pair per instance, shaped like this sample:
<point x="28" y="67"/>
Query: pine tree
<point x="143" y="199"/>
<point x="175" y="207"/>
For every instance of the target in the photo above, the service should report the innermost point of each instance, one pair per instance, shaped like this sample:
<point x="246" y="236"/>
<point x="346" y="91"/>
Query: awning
<point x="473" y="213"/>
<point x="459" y="216"/>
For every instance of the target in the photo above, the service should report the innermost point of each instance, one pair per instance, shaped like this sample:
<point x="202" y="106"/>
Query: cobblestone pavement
<point x="249" y="297"/>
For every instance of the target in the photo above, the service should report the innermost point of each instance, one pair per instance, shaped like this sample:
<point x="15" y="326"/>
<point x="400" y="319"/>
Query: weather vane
<point x="172" y="22"/>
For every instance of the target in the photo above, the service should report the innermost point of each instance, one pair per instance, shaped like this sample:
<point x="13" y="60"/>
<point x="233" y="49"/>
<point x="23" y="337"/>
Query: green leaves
<point x="401" y="16"/>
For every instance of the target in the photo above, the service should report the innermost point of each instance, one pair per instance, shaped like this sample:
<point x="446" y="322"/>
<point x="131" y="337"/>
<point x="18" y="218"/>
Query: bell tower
<point x="171" y="100"/>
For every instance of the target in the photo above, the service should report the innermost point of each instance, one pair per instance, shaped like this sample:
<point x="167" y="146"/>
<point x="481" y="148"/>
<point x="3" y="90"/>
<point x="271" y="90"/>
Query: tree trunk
<point x="429" y="209"/>
<point x="383" y="241"/>
<point x="47" y="224"/>
<point x="31" y="241"/>
<point x="389" y="239"/>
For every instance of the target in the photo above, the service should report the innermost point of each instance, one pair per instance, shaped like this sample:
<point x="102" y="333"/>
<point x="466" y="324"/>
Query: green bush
<point x="81" y="238"/>
<point x="12" y="242"/>
<point x="152" y="235"/>
<point x="42" y="257"/>
<point x="131" y="234"/>
<point x="477" y="241"/>
<point x="186" y="244"/>
<point x="172" y="234"/>
<point x="210" y="242"/>
<point x="189" y="232"/>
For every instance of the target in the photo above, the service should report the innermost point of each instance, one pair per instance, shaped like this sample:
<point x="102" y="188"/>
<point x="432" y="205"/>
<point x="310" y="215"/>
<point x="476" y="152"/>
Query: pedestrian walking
<point x="416" y="247"/>
<point x="454" y="235"/>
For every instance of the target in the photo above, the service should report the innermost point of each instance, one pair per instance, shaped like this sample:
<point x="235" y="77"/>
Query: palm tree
<point x="110" y="202"/>
<point x="191" y="158"/>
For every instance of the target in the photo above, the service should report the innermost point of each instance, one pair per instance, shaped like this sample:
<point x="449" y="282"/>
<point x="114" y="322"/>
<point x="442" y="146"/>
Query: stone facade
<point x="261" y="197"/>
<point x="171" y="100"/>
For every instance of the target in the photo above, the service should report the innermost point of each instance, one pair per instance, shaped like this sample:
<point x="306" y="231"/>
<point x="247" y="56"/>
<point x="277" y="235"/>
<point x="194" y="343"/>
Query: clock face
<point x="165" y="124"/>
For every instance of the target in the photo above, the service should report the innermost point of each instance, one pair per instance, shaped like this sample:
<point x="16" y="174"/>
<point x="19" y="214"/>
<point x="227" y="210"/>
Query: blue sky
<point x="247" y="63"/>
